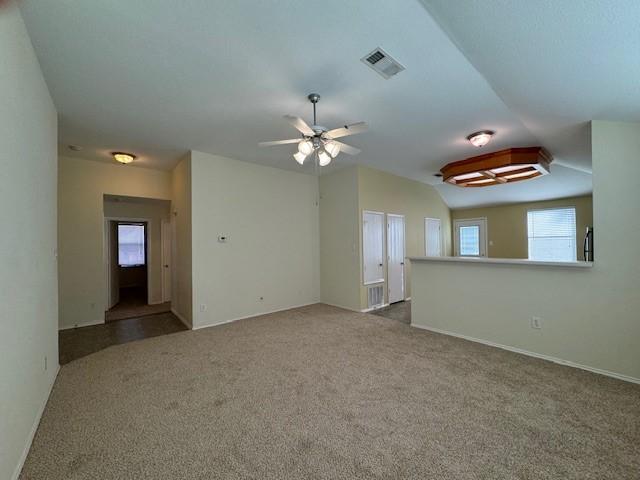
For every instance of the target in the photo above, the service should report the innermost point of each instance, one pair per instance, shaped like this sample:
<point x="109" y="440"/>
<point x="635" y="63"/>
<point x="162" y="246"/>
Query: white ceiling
<point x="158" y="78"/>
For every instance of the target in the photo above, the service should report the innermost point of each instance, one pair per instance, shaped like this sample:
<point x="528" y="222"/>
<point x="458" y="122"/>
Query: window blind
<point x="131" y="245"/>
<point x="470" y="241"/>
<point x="552" y="234"/>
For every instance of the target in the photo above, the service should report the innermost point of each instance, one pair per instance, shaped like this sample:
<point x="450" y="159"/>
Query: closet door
<point x="432" y="237"/>
<point x="372" y="247"/>
<point x="395" y="257"/>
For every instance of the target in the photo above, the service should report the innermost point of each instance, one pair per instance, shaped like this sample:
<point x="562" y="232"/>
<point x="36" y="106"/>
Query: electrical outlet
<point x="45" y="363"/>
<point x="536" y="322"/>
<point x="203" y="307"/>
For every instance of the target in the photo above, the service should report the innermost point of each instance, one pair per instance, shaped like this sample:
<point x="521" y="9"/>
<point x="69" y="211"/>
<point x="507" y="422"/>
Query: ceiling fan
<point x="317" y="139"/>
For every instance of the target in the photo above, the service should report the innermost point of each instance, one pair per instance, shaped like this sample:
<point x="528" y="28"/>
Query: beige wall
<point x="384" y="192"/>
<point x="270" y="217"/>
<point x="155" y="212"/>
<point x="181" y="288"/>
<point x="507" y="224"/>
<point x="590" y="316"/>
<point x="28" y="285"/>
<point x="339" y="239"/>
<point x="82" y="185"/>
<point x="344" y="195"/>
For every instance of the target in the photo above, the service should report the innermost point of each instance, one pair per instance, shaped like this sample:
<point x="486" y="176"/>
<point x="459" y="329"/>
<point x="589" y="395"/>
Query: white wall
<point x="271" y="219"/>
<point x="181" y="289"/>
<point x="156" y="212"/>
<point x="591" y="317"/>
<point x="28" y="285"/>
<point x="82" y="185"/>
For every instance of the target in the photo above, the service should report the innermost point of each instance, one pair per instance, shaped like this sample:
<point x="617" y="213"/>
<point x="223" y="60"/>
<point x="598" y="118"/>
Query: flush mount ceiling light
<point x="506" y="166"/>
<point x="317" y="140"/>
<point x="123" y="157"/>
<point x="481" y="138"/>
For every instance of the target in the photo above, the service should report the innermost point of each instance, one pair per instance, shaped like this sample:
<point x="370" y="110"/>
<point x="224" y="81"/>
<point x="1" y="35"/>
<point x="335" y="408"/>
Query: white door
<point x="372" y="247"/>
<point x="395" y="257"/>
<point x="432" y="237"/>
<point x="470" y="239"/>
<point x="166" y="260"/>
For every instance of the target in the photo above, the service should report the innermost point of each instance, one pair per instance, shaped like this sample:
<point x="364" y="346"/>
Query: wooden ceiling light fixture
<point x="506" y="166"/>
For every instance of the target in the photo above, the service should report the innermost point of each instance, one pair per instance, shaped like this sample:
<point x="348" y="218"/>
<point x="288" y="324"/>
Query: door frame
<point x="166" y="228"/>
<point x="404" y="251"/>
<point x="482" y="221"/>
<point x="441" y="238"/>
<point x="107" y="254"/>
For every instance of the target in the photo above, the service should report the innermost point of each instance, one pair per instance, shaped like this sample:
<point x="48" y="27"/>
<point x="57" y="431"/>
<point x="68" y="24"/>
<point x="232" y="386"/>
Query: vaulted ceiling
<point x="161" y="77"/>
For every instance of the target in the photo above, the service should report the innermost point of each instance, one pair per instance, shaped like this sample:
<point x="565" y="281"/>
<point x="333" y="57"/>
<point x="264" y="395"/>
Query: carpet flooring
<point x="323" y="393"/>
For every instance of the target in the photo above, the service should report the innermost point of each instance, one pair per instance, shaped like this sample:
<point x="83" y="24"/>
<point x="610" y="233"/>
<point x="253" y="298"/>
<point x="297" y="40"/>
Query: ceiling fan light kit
<point x="317" y="139"/>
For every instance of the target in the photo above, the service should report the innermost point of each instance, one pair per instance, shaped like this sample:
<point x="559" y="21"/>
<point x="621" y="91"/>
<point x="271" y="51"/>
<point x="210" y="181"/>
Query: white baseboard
<point x="549" y="358"/>
<point x="34" y="428"/>
<point x="367" y="310"/>
<point x="181" y="318"/>
<point x="80" y="325"/>
<point x="254" y="315"/>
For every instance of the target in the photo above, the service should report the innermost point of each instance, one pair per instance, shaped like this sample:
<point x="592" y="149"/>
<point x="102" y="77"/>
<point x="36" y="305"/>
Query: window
<point x="552" y="234"/>
<point x="470" y="241"/>
<point x="470" y="237"/>
<point x="131" y="244"/>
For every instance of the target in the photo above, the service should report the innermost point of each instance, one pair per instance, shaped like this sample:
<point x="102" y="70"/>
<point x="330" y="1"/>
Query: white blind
<point x="552" y="234"/>
<point x="131" y="245"/>
<point x="470" y="241"/>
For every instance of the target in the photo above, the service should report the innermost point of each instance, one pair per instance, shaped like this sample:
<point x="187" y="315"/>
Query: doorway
<point x="128" y="268"/>
<point x="395" y="257"/>
<point x="138" y="239"/>
<point x="470" y="237"/>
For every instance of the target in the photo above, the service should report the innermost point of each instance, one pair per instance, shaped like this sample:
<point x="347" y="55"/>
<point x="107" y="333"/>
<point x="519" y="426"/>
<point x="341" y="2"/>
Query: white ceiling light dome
<point x="332" y="149"/>
<point x="481" y="138"/>
<point x="324" y="158"/>
<point x="305" y="147"/>
<point x="299" y="156"/>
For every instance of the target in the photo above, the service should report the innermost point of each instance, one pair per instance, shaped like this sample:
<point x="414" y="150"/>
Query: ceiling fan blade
<point x="300" y="125"/>
<point x="279" y="142"/>
<point x="348" y="149"/>
<point x="347" y="130"/>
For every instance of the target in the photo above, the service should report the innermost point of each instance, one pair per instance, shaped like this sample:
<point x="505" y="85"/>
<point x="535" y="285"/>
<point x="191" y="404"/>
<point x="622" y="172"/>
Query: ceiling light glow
<point x="332" y="149"/>
<point x="299" y="156"/>
<point x="305" y="147"/>
<point x="324" y="158"/>
<point x="123" y="157"/>
<point x="481" y="138"/>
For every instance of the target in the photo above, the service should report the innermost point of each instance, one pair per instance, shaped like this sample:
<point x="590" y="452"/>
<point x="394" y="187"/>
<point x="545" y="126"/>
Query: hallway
<point x="76" y="343"/>
<point x="133" y="303"/>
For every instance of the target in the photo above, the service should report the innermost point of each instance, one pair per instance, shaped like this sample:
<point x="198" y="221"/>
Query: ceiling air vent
<point x="382" y="63"/>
